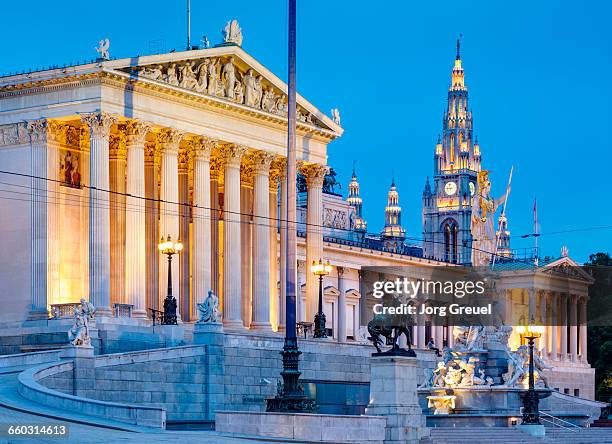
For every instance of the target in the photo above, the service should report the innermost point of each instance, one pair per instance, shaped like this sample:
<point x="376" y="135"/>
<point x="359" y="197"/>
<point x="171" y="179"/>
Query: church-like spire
<point x="503" y="236"/>
<point x="354" y="200"/>
<point x="393" y="213"/>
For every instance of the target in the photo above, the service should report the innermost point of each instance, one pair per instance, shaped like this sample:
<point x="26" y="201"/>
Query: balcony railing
<point x="122" y="310"/>
<point x="63" y="311"/>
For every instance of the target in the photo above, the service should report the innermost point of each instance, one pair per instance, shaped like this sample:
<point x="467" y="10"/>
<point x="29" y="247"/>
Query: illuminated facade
<point x="447" y="208"/>
<point x="393" y="235"/>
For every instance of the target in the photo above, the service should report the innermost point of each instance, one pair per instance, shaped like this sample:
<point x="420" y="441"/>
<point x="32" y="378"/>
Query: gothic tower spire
<point x="393" y="235"/>
<point x="354" y="200"/>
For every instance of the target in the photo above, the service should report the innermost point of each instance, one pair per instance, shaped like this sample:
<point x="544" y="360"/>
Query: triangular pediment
<point x="565" y="266"/>
<point x="226" y="73"/>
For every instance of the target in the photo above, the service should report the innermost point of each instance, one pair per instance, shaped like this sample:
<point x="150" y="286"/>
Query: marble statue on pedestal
<point x="209" y="309"/>
<point x="79" y="333"/>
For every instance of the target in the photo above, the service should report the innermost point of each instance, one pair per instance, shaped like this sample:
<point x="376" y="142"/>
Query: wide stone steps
<point x="505" y="435"/>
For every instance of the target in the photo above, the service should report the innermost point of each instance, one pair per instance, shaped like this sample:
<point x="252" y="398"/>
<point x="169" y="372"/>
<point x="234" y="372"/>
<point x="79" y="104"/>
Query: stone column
<point x="216" y="169"/>
<point x="152" y="162"/>
<point x="38" y="130"/>
<point x="532" y="306"/>
<point x="99" y="215"/>
<point x="117" y="170"/>
<point x="246" y="240"/>
<point x="563" y="325"/>
<point x="184" y="219"/>
<point x="275" y="301"/>
<point x="168" y="140"/>
<point x="261" y="241"/>
<point x="315" y="174"/>
<point x="438" y="337"/>
<point x="135" y="218"/>
<point x="202" y="223"/>
<point x="542" y="342"/>
<point x="573" y="322"/>
<point x="583" y="330"/>
<point x="554" y="327"/>
<point x="420" y="331"/>
<point x="341" y="305"/>
<point x="282" y="175"/>
<point x="232" y="304"/>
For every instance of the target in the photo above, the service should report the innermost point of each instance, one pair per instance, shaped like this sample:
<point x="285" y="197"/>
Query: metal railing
<point x="63" y="311"/>
<point x="558" y="422"/>
<point x="122" y="310"/>
<point x="157" y="316"/>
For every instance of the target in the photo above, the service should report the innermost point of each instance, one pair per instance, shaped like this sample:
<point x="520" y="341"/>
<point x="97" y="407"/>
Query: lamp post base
<point x="290" y="395"/>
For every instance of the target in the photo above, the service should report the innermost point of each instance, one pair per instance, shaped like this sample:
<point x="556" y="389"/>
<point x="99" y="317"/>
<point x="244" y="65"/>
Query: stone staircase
<point x="507" y="435"/>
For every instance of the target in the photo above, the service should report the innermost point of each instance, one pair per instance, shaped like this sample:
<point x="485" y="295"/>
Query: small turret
<point x="355" y="201"/>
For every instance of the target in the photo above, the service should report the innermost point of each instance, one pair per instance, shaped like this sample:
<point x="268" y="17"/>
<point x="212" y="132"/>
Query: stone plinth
<point x="174" y="334"/>
<point x="393" y="393"/>
<point x="210" y="333"/>
<point x="84" y="366"/>
<point x="303" y="426"/>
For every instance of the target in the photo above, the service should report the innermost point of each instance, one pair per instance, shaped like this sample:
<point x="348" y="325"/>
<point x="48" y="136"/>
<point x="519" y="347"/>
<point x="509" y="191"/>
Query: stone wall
<point x="570" y="378"/>
<point x="192" y="382"/>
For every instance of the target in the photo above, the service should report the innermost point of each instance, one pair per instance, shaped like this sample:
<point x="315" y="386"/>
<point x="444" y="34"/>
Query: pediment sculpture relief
<point x="221" y="77"/>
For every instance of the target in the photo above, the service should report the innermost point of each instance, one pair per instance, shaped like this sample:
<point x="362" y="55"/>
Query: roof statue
<point x="232" y="33"/>
<point x="102" y="49"/>
<point x="335" y="112"/>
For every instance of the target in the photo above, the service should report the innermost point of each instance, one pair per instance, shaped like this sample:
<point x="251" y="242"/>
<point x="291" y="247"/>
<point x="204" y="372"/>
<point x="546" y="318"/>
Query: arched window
<point x="450" y="230"/>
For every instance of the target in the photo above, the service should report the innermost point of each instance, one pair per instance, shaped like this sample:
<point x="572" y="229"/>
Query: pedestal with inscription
<point x="393" y="394"/>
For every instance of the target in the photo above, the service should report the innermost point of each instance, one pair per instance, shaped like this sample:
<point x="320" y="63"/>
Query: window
<point x="576" y="392"/>
<point x="566" y="391"/>
<point x="450" y="241"/>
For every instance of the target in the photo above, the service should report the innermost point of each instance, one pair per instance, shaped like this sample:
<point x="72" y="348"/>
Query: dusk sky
<point x="538" y="75"/>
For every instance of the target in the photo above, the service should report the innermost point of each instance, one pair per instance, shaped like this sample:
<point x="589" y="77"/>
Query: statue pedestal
<point x="497" y="361"/>
<point x="209" y="333"/>
<point x="393" y="394"/>
<point x="84" y="369"/>
<point x="174" y="334"/>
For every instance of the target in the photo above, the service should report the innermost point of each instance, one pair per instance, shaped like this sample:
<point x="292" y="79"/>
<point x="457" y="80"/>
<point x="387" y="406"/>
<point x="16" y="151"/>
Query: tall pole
<point x="291" y="397"/>
<point x="188" y="25"/>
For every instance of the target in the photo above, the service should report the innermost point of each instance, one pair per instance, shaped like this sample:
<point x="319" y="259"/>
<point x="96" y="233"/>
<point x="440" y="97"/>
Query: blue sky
<point x="538" y="75"/>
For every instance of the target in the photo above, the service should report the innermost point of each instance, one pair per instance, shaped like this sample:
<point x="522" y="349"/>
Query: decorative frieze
<point x="14" y="134"/>
<point x="223" y="77"/>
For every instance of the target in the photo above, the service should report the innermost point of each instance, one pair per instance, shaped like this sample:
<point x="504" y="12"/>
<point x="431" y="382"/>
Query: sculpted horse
<point x="391" y="328"/>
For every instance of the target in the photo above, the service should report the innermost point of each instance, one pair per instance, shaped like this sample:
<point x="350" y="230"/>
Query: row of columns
<point x="125" y="220"/>
<point x="564" y="315"/>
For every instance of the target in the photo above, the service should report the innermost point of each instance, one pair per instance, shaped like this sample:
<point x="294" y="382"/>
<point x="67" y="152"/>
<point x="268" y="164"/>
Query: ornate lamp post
<point x="169" y="248"/>
<point x="320" y="269"/>
<point x="531" y="400"/>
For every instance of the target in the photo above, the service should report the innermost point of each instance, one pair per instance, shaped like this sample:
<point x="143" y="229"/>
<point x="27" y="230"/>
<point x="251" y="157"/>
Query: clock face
<point x="472" y="188"/>
<point x="450" y="188"/>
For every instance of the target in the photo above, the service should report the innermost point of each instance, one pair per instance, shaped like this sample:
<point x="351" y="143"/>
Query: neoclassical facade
<point x="100" y="161"/>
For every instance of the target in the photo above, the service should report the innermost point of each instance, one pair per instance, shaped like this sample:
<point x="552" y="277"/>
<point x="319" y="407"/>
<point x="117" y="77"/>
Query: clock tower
<point x="447" y="206"/>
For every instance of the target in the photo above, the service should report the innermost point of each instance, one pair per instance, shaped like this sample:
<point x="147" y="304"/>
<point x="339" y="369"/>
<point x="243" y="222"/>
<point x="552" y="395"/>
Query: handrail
<point x="560" y="420"/>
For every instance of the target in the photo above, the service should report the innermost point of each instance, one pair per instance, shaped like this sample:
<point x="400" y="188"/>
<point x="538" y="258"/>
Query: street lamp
<point x="320" y="269"/>
<point x="531" y="400"/>
<point x="169" y="248"/>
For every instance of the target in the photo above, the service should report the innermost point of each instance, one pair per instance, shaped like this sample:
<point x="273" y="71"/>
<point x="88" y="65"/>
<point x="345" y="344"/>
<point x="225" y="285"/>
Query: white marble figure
<point x="79" y="333"/>
<point x="250" y="88"/>
<point x="209" y="309"/>
<point x="202" y="74"/>
<point x="171" y="76"/>
<point x="229" y="77"/>
<point x="518" y="364"/>
<point x="102" y="49"/>
<point x="442" y="404"/>
<point x="483" y="215"/>
<point x="232" y="33"/>
<point x="469" y="338"/>
<point x="335" y="112"/>
<point x="213" y="78"/>
<point x="153" y="72"/>
<point x="188" y="76"/>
